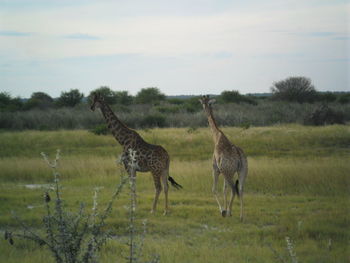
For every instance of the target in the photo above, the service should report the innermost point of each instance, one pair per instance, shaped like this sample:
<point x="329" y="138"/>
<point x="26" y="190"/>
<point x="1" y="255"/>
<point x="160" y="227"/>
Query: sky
<point x="188" y="47"/>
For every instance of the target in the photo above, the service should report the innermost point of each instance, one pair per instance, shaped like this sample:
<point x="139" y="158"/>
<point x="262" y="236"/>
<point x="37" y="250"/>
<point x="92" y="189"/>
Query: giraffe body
<point x="149" y="157"/>
<point x="228" y="160"/>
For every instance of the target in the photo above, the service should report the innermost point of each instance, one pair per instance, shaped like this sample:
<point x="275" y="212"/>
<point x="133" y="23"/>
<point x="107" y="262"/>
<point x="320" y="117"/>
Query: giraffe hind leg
<point x="158" y="189"/>
<point x="231" y="184"/>
<point x="166" y="187"/>
<point x="216" y="174"/>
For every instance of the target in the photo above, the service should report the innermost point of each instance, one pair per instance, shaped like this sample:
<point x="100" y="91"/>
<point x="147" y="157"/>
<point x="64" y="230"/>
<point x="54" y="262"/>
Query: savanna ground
<point x="297" y="187"/>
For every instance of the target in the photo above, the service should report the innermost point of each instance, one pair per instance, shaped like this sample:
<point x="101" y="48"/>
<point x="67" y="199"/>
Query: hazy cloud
<point x="14" y="33"/>
<point x="82" y="37"/>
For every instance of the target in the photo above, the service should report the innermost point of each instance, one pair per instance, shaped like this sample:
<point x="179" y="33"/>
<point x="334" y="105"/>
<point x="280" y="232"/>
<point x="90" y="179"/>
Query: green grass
<point x="297" y="186"/>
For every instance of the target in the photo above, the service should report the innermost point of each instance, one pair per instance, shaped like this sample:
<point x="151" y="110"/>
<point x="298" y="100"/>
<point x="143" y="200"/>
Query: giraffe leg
<point x="216" y="174"/>
<point x="225" y="191"/>
<point x="231" y="184"/>
<point x="158" y="187"/>
<point x="242" y="177"/>
<point x="166" y="187"/>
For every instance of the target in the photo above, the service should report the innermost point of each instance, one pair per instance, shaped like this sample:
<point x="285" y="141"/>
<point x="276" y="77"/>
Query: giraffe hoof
<point x="165" y="213"/>
<point x="223" y="213"/>
<point x="151" y="212"/>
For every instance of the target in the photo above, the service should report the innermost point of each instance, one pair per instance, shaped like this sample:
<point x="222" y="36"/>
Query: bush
<point x="168" y="109"/>
<point x="234" y="97"/>
<point x="70" y="98"/>
<point x="123" y="98"/>
<point x="324" y="115"/>
<point x="294" y="89"/>
<point x="153" y="120"/>
<point x="149" y="96"/>
<point x="70" y="237"/>
<point x="326" y="96"/>
<point x="192" y="105"/>
<point x="176" y="101"/>
<point x="7" y="103"/>
<point x="344" y="98"/>
<point x="39" y="100"/>
<point x="101" y="129"/>
<point x="108" y="94"/>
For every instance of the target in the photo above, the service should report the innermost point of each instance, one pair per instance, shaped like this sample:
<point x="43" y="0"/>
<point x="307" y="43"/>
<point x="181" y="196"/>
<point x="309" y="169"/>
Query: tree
<point x="39" y="100"/>
<point x="123" y="97"/>
<point x="70" y="98"/>
<point x="228" y="96"/>
<point x="7" y="103"/>
<point x="296" y="89"/>
<point x="108" y="94"/>
<point x="149" y="95"/>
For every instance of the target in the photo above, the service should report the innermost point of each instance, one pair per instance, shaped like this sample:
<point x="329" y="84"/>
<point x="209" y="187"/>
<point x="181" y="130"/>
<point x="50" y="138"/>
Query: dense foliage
<point x="295" y="89"/>
<point x="293" y="100"/>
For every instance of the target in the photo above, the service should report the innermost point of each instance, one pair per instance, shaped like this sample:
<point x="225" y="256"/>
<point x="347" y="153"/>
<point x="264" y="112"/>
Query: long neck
<point x="212" y="123"/>
<point x="119" y="130"/>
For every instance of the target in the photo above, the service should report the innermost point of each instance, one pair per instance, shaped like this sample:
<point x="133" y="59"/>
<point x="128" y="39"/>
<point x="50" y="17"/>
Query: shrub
<point x="294" y="89"/>
<point x="70" y="98"/>
<point x="108" y="94"/>
<point x="101" y="129"/>
<point x="234" y="97"/>
<point x="176" y="101"/>
<point x="153" y="120"/>
<point x="149" y="96"/>
<point x="123" y="98"/>
<point x="192" y="105"/>
<point x="168" y="109"/>
<point x="71" y="237"/>
<point x="344" y="98"/>
<point x="326" y="96"/>
<point x="39" y="100"/>
<point x="7" y="103"/>
<point x="324" y="115"/>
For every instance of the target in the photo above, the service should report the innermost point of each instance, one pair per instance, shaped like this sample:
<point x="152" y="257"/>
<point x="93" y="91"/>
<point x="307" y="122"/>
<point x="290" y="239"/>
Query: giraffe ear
<point x="211" y="101"/>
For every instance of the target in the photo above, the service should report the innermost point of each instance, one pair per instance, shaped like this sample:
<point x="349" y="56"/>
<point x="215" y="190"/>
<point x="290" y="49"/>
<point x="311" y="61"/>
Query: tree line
<point x="292" y="89"/>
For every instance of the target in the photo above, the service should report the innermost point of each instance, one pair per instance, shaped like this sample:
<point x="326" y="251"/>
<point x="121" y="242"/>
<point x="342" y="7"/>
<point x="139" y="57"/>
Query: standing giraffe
<point x="149" y="157"/>
<point x="227" y="159"/>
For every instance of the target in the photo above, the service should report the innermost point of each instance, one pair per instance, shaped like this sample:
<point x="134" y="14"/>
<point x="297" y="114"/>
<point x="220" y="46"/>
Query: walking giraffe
<point x="149" y="157"/>
<point x="228" y="159"/>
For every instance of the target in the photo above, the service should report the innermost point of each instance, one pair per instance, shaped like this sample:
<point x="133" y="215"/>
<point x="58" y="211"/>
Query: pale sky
<point x="181" y="47"/>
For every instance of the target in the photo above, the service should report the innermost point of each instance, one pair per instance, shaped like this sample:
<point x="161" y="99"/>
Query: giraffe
<point x="149" y="157"/>
<point x="228" y="159"/>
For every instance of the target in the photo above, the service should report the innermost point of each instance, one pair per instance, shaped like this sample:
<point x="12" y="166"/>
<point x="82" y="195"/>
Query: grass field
<point x="297" y="186"/>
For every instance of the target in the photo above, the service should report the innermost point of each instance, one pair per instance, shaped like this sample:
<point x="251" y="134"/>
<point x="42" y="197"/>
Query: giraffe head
<point x="206" y="102"/>
<point x="96" y="101"/>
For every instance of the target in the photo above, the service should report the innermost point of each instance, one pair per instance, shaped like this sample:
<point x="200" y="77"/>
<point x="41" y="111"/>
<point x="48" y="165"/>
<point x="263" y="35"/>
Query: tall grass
<point x="297" y="186"/>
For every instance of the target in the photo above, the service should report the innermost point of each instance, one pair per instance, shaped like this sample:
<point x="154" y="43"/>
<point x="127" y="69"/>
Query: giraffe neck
<point x="212" y="123"/>
<point x="119" y="130"/>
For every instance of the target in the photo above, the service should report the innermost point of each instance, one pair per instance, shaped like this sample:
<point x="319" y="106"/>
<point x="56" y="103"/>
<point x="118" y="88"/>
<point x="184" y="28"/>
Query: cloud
<point x="82" y="37"/>
<point x="14" y="33"/>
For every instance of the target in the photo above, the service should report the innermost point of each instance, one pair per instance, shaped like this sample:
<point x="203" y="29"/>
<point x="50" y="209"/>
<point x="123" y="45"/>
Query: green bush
<point x="149" y="96"/>
<point x="233" y="96"/>
<point x="168" y="109"/>
<point x="101" y="129"/>
<point x="153" y="120"/>
<point x="294" y="89"/>
<point x="324" y="115"/>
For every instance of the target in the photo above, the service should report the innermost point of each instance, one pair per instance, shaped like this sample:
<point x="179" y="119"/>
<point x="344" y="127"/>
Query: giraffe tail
<point x="174" y="183"/>
<point x="236" y="187"/>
